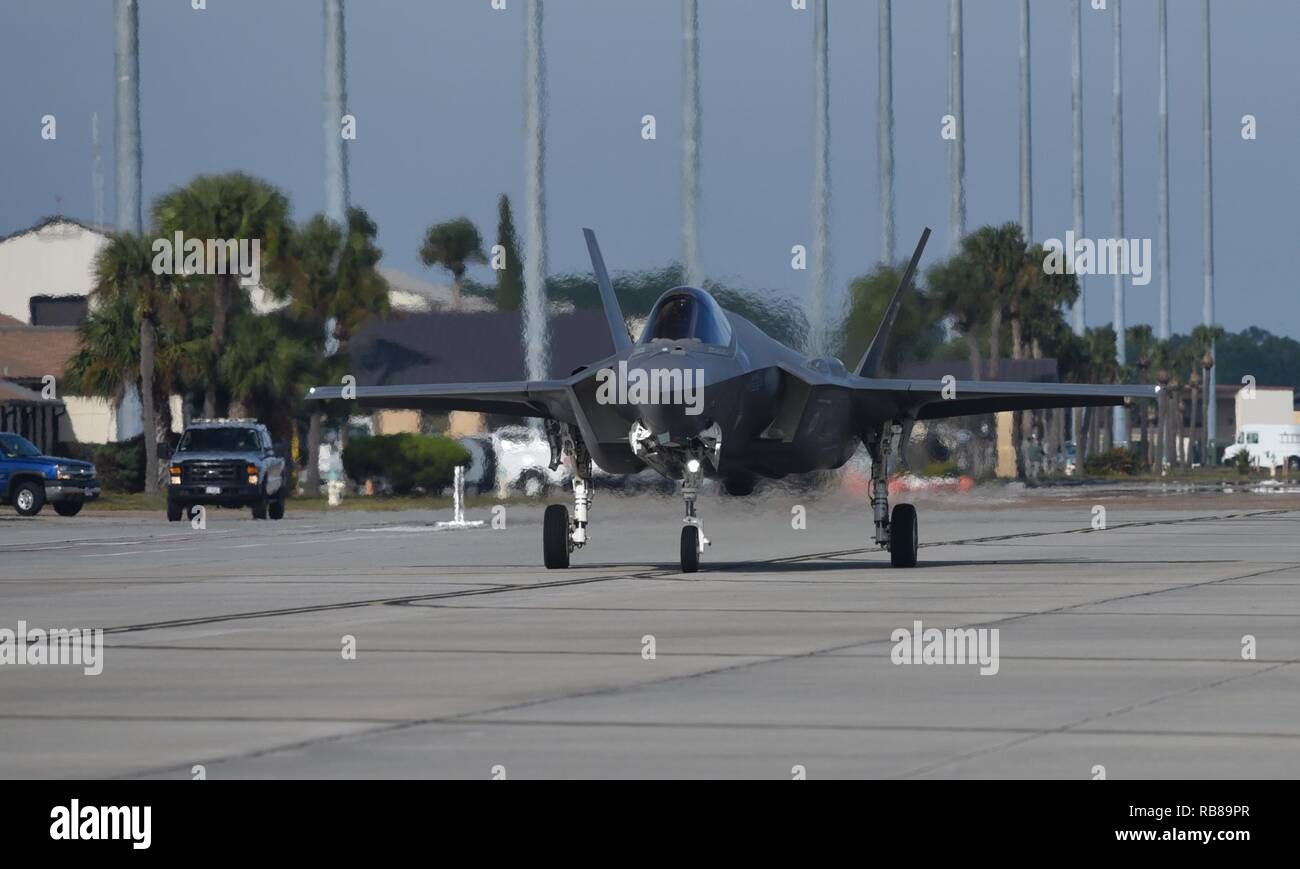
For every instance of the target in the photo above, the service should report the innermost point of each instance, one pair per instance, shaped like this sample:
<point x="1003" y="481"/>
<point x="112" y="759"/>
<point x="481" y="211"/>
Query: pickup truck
<point x="227" y="463"/>
<point x="30" y="480"/>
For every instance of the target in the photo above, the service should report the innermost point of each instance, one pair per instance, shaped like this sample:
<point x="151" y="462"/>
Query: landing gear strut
<point x="899" y="533"/>
<point x="560" y="534"/>
<point x="693" y="539"/>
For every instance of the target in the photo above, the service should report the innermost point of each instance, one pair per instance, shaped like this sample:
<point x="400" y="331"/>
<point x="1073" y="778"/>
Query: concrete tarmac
<point x="1165" y="645"/>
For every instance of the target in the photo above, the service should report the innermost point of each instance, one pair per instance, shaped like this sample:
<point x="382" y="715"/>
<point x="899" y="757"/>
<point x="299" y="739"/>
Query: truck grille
<point x="209" y="472"/>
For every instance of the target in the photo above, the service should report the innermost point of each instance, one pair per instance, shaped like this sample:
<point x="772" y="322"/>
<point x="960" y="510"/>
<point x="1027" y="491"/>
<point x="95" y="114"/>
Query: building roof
<point x="31" y="352"/>
<point x="1230" y="390"/>
<point x="409" y="293"/>
<point x="449" y="347"/>
<point x="12" y="392"/>
<point x="51" y="221"/>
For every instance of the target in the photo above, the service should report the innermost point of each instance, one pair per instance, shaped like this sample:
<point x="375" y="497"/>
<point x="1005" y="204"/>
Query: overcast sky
<point x="437" y="90"/>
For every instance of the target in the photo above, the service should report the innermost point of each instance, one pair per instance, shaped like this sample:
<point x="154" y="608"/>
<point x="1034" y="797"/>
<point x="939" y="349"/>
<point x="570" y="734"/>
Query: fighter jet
<point x="703" y="392"/>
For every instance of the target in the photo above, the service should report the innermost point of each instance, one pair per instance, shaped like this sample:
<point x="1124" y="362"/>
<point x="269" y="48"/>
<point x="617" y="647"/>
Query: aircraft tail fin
<point x="869" y="365"/>
<point x="613" y="313"/>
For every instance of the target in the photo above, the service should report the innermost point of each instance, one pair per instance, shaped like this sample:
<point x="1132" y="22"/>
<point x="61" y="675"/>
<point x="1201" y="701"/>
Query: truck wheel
<point x="276" y="508"/>
<point x="174" y="511"/>
<point x="68" y="508"/>
<point x="29" y="498"/>
<point x="259" y="509"/>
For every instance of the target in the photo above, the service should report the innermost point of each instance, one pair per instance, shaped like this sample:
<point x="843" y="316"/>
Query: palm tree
<point x="452" y="245"/>
<point x="269" y="365"/>
<point x="955" y="287"/>
<point x="230" y="206"/>
<point x="1041" y="298"/>
<point x="107" y="360"/>
<point x="331" y="277"/>
<point x="124" y="274"/>
<point x="997" y="255"/>
<point x="1103" y="368"/>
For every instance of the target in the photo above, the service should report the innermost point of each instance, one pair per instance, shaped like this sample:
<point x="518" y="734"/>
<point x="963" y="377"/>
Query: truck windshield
<point x="15" y="447"/>
<point x="219" y="440"/>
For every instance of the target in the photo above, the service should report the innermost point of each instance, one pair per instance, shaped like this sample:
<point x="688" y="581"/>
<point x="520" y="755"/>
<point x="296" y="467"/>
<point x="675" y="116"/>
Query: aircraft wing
<point x="933" y="399"/>
<point x="548" y="399"/>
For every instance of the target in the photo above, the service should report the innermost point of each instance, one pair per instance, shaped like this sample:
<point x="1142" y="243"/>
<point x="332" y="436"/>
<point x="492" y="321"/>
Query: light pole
<point x="885" y="132"/>
<point x="956" y="108"/>
<point x="1211" y="400"/>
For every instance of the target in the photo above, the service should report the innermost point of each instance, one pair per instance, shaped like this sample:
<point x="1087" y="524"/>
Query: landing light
<point x="693" y="465"/>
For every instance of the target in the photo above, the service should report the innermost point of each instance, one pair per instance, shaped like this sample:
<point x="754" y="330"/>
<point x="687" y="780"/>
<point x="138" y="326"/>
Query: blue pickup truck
<point x="29" y="480"/>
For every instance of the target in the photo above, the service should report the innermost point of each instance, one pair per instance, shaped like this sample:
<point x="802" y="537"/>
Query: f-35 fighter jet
<point x="704" y="392"/>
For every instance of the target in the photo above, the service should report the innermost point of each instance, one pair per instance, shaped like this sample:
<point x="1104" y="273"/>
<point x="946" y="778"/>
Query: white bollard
<point x="458" y="503"/>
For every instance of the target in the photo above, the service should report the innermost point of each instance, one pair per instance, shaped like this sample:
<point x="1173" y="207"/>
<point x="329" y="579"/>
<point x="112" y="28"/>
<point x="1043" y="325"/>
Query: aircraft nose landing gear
<point x="693" y="539"/>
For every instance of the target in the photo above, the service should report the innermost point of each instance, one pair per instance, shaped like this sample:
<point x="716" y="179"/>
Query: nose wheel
<point x="690" y="549"/>
<point x="693" y="539"/>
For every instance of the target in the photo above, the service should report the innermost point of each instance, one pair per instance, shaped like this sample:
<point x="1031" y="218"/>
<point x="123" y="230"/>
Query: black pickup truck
<point x="226" y="463"/>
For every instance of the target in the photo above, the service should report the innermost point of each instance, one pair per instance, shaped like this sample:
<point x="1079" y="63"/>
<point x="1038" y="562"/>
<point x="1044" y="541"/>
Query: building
<point x="46" y="275"/>
<point x="46" y="278"/>
<point x="49" y="266"/>
<point x="28" y="413"/>
<point x="34" y="358"/>
<point x="450" y="347"/>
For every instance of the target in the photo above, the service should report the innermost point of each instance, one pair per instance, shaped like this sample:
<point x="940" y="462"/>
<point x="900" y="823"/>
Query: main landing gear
<point x="897" y="533"/>
<point x="560" y="534"/>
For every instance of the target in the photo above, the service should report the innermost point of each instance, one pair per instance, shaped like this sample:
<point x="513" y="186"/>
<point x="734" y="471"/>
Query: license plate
<point x="213" y="490"/>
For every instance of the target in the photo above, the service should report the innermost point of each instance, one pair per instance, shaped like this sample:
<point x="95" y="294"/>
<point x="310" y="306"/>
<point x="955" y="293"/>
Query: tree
<point x="510" y="280"/>
<point x="129" y="291"/>
<point x="956" y="290"/>
<point x="997" y="256"/>
<point x="333" y="285"/>
<point x="269" y="365"/>
<point x="233" y="206"/>
<point x="453" y="245"/>
<point x="916" y="331"/>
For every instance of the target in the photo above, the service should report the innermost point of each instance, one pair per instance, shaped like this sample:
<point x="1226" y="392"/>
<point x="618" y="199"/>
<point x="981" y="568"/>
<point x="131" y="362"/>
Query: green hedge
<point x="1116" y="461"/>
<point x="121" y="465"/>
<point x="406" y="461"/>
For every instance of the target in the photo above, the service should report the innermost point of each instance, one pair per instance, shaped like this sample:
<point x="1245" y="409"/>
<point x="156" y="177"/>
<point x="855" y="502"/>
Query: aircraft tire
<point x="690" y="549"/>
<point x="904" y="537"/>
<point x="555" y="537"/>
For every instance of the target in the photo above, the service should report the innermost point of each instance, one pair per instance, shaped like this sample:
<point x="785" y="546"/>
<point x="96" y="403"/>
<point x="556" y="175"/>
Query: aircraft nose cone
<point x="668" y="397"/>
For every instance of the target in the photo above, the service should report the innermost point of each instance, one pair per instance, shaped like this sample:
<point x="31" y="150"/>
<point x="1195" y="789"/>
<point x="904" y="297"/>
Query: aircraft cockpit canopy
<point x="687" y="314"/>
